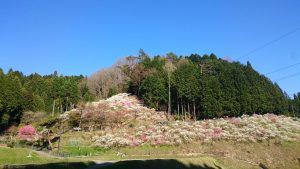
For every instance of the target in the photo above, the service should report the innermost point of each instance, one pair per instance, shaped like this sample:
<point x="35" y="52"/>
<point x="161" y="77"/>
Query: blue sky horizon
<point x="80" y="37"/>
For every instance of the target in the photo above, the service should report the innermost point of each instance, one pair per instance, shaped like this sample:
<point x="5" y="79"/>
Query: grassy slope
<point x="222" y="154"/>
<point x="270" y="153"/>
<point x="228" y="154"/>
<point x="192" y="156"/>
<point x="18" y="156"/>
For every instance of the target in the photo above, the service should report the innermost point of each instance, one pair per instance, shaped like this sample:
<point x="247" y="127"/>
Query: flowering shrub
<point x="131" y="107"/>
<point x="246" y="128"/>
<point x="235" y="121"/>
<point x="110" y="113"/>
<point x="272" y="117"/>
<point x="110" y="140"/>
<point x="28" y="133"/>
<point x="138" y="125"/>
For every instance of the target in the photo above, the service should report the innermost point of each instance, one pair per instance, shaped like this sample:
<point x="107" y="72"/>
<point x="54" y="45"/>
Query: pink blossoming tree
<point x="28" y="133"/>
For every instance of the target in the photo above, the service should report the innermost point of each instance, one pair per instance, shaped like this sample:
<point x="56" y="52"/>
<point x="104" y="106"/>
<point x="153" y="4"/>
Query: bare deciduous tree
<point x="101" y="82"/>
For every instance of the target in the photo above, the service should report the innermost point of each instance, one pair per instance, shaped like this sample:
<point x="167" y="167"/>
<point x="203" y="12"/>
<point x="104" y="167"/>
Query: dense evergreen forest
<point x="197" y="87"/>
<point x="200" y="86"/>
<point x="48" y="94"/>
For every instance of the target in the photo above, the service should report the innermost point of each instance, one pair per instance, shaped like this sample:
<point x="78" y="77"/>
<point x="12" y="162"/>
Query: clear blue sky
<point x="80" y="37"/>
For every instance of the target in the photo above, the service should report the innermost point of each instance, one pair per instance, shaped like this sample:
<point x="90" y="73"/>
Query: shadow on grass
<point x="158" y="164"/>
<point x="62" y="165"/>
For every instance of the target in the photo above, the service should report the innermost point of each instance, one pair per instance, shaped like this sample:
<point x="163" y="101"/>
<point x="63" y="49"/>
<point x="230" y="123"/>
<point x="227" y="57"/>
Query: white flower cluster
<point x="65" y="116"/>
<point x="133" y="107"/>
<point x="246" y="128"/>
<point x="110" y="140"/>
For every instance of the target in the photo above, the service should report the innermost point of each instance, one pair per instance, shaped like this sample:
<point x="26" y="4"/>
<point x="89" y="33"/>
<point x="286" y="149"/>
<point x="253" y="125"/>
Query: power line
<point x="283" y="68"/>
<point x="287" y="77"/>
<point x="271" y="42"/>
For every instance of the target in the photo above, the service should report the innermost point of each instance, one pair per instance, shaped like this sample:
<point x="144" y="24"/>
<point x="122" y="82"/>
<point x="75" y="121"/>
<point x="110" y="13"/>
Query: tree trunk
<point x="49" y="140"/>
<point x="195" y="111"/>
<point x="169" y="106"/>
<point x="189" y="111"/>
<point x="184" y="109"/>
<point x="53" y="107"/>
<point x="58" y="146"/>
<point x="181" y="107"/>
<point x="139" y="86"/>
<point x="80" y="119"/>
<point x="201" y="70"/>
<point x="178" y="108"/>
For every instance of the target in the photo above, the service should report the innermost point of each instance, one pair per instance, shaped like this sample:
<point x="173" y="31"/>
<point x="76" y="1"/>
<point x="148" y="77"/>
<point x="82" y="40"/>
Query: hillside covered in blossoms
<point x="123" y="127"/>
<point x="192" y="86"/>
<point x="137" y="125"/>
<point x="187" y="107"/>
<point x="152" y="84"/>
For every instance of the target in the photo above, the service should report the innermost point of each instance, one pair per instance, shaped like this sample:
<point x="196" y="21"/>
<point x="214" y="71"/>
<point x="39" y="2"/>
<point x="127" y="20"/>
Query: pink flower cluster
<point x="27" y="133"/>
<point x="216" y="134"/>
<point x="235" y="121"/>
<point x="272" y="117"/>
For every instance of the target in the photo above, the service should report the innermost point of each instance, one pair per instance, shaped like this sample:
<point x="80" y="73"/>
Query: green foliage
<point x="74" y="119"/>
<point x="187" y="81"/>
<point x="112" y="91"/>
<point x="201" y="86"/>
<point x="18" y="158"/>
<point x="38" y="103"/>
<point x="294" y="105"/>
<point x="86" y="96"/>
<point x="77" y="150"/>
<point x="154" y="91"/>
<point x="49" y="121"/>
<point x="19" y="93"/>
<point x="30" y="117"/>
<point x="208" y="87"/>
<point x="11" y="100"/>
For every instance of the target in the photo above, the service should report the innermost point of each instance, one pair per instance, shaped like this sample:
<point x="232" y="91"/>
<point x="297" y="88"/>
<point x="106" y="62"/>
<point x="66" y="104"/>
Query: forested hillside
<point x="198" y="86"/>
<point x="49" y="94"/>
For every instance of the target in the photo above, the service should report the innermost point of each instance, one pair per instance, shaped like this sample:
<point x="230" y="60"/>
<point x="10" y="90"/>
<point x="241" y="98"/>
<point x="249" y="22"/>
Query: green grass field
<point x="225" y="155"/>
<point x="17" y="158"/>
<point x="221" y="154"/>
